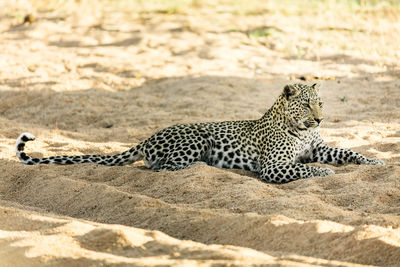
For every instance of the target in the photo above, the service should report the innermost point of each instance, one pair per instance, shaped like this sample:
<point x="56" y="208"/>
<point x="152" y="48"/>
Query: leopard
<point x="277" y="147"/>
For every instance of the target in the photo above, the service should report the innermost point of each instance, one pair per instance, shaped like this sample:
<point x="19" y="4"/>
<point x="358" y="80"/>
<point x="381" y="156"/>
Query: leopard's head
<point x="303" y="106"/>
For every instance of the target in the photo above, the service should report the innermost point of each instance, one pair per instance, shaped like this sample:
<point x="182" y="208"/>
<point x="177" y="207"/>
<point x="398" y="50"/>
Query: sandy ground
<point x="91" y="79"/>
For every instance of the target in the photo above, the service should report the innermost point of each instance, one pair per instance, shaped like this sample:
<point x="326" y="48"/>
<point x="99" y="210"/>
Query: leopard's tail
<point x="126" y="157"/>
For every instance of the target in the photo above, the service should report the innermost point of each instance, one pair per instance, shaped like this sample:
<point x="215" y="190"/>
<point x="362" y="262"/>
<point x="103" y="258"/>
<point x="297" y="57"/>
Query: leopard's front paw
<point x="324" y="172"/>
<point x="374" y="162"/>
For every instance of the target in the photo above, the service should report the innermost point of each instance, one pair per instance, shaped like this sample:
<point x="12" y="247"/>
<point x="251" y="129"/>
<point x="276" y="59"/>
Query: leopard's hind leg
<point x="177" y="147"/>
<point x="126" y="157"/>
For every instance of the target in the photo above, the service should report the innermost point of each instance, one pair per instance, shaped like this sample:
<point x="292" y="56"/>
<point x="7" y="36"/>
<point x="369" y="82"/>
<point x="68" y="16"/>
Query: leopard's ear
<point x="316" y="87"/>
<point x="290" y="91"/>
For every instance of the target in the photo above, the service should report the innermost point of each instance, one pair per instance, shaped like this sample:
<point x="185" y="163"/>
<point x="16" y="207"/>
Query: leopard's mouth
<point x="307" y="125"/>
<point x="302" y="127"/>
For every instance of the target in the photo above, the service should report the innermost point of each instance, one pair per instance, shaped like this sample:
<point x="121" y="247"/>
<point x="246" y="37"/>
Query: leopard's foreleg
<point x="337" y="156"/>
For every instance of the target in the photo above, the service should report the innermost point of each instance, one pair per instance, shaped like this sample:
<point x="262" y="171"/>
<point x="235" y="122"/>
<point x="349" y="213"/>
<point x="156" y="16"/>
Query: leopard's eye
<point x="307" y="105"/>
<point x="321" y="104"/>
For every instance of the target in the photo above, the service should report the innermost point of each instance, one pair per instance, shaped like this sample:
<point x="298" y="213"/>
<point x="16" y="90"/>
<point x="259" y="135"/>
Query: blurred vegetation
<point x="335" y="25"/>
<point x="237" y="7"/>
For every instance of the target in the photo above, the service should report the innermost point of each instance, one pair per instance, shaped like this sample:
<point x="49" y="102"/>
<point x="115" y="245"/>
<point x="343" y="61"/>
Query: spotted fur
<point x="277" y="146"/>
